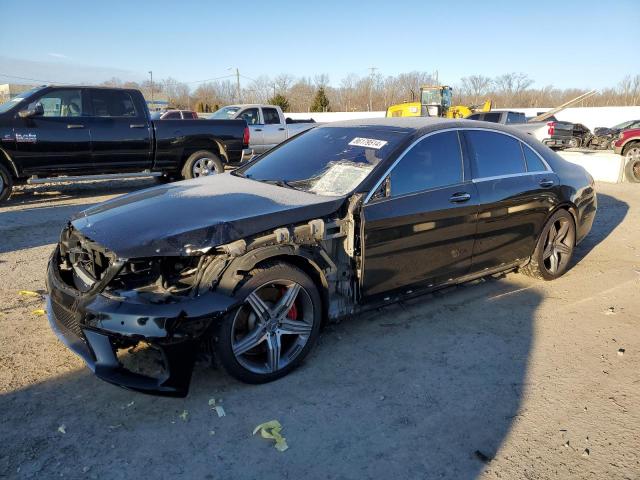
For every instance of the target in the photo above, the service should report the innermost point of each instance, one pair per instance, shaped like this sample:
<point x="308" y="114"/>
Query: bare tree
<point x="476" y="86"/>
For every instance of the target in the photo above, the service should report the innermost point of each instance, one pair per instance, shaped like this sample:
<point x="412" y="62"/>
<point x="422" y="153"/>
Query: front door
<point x="256" y="134"/>
<point x="274" y="132"/>
<point x="58" y="141"/>
<point x="420" y="229"/>
<point x="120" y="133"/>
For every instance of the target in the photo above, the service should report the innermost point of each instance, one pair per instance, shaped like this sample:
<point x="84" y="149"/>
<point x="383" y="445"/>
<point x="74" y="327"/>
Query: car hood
<point x="200" y="213"/>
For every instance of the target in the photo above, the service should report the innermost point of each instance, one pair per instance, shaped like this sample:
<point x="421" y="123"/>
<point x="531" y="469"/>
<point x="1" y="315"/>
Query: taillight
<point x="245" y="137"/>
<point x="552" y="128"/>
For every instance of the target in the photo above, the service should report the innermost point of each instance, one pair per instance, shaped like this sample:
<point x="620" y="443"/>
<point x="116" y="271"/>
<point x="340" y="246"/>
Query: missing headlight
<point x="163" y="275"/>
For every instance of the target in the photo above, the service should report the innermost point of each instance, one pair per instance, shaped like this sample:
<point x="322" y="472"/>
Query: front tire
<point x="275" y="327"/>
<point x="6" y="183"/>
<point x="202" y="163"/>
<point x="632" y="162"/>
<point x="554" y="248"/>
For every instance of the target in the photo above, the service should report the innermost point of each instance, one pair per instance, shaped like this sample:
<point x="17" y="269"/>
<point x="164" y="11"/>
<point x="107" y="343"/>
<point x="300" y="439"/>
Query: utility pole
<point x="373" y="70"/>
<point x="151" y="74"/>
<point x="237" y="81"/>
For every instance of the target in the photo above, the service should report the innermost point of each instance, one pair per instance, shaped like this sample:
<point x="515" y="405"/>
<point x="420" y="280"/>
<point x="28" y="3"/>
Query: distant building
<point x="158" y="104"/>
<point x="10" y="90"/>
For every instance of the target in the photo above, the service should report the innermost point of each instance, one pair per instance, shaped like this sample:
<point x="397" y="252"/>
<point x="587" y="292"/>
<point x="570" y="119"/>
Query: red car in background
<point x="628" y="145"/>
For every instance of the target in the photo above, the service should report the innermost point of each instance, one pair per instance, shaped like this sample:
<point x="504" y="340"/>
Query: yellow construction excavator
<point x="435" y="101"/>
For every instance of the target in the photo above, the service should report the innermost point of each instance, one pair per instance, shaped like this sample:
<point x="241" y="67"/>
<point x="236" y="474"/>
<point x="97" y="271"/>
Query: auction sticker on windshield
<point x="368" y="143"/>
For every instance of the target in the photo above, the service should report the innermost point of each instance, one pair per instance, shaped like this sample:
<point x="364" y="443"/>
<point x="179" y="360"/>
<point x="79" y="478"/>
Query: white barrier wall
<point x="603" y="166"/>
<point x="591" y="117"/>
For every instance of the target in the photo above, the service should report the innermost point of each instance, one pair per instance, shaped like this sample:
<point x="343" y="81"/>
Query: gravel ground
<point x="503" y="378"/>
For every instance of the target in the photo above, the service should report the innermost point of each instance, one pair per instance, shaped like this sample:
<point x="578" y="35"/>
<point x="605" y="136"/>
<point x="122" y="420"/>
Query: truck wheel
<point x="574" y="142"/>
<point x="632" y="158"/>
<point x="202" y="164"/>
<point x="6" y="183"/>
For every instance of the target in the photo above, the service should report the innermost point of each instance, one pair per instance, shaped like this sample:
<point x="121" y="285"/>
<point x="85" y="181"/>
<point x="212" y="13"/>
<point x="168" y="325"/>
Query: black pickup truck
<point x="71" y="133"/>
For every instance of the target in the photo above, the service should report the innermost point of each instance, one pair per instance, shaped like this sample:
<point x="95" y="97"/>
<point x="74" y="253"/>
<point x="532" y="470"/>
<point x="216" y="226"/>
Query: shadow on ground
<point x="34" y="215"/>
<point x="424" y="389"/>
<point x="412" y="391"/>
<point x="611" y="213"/>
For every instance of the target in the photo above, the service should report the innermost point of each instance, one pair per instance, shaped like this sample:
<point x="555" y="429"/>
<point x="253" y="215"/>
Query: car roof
<point x="418" y="126"/>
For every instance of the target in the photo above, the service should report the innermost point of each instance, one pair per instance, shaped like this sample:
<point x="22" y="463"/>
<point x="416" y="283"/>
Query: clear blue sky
<point x="566" y="43"/>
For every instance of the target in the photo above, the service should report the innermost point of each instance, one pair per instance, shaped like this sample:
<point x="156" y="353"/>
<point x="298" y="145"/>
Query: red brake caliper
<point x="293" y="312"/>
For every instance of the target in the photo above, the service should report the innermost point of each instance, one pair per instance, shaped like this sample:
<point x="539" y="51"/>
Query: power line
<point x="27" y="78"/>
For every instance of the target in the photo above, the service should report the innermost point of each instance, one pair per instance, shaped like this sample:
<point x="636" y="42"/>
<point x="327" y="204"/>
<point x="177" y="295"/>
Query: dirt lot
<point x="506" y="378"/>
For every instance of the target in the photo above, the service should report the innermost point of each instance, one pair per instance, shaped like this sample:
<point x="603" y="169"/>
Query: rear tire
<point x="575" y="142"/>
<point x="245" y="339"/>
<point x="554" y="248"/>
<point x="632" y="162"/>
<point x="6" y="183"/>
<point x="202" y="163"/>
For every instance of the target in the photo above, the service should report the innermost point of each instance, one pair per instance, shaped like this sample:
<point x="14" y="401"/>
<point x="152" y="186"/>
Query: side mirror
<point x="383" y="191"/>
<point x="35" y="111"/>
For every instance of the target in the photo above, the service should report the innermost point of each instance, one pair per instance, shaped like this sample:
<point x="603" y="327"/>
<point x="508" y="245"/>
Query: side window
<point x="62" y="103"/>
<point x="534" y="164"/>
<point x="271" y="116"/>
<point x="172" y="116"/>
<point x="112" y="103"/>
<point x="492" y="117"/>
<point x="474" y="116"/>
<point x="434" y="162"/>
<point x="251" y="116"/>
<point x="493" y="154"/>
<point x="515" y="117"/>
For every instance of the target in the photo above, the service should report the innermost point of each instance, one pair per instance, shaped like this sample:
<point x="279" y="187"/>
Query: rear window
<point x="112" y="103"/>
<point x="493" y="154"/>
<point x="534" y="164"/>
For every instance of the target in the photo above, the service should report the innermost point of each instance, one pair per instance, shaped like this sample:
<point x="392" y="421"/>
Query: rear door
<point x="121" y="136"/>
<point x="274" y="130"/>
<point x="421" y="230"/>
<point x="514" y="201"/>
<point x="57" y="141"/>
<point x="256" y="134"/>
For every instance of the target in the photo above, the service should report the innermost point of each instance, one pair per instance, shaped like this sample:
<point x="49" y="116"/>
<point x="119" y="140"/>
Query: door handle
<point x="546" y="183"/>
<point x="281" y="128"/>
<point x="138" y="125"/>
<point x="460" y="197"/>
<point x="71" y="125"/>
<point x="258" y="130"/>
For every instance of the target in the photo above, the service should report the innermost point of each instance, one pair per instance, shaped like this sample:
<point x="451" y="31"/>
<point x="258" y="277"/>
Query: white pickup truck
<point x="267" y="124"/>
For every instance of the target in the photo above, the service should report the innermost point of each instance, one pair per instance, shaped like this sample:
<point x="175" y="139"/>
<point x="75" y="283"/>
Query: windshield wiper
<point x="280" y="183"/>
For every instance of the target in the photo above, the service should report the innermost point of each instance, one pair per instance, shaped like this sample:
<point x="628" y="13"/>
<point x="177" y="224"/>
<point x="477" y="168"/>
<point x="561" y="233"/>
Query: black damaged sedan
<point x="245" y="267"/>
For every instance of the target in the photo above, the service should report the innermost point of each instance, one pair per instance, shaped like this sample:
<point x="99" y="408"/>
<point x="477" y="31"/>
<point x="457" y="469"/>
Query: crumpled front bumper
<point x="93" y="326"/>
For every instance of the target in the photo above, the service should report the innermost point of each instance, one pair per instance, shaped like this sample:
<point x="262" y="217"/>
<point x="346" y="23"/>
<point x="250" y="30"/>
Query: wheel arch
<point x="628" y="144"/>
<point x="570" y="207"/>
<point x="211" y="144"/>
<point x="307" y="260"/>
<point x="6" y="160"/>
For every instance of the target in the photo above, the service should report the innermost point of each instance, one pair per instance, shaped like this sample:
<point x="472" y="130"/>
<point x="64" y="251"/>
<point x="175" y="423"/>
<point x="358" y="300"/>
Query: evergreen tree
<point x="320" y="102"/>
<point x="281" y="101"/>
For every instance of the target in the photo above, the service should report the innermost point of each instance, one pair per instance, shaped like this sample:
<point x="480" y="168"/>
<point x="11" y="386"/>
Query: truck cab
<point x="267" y="124"/>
